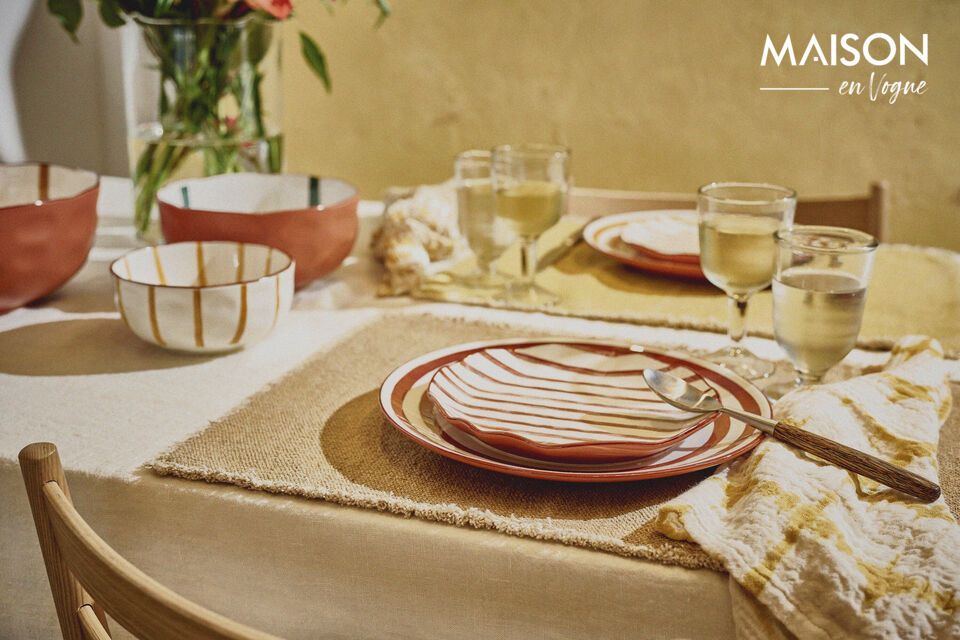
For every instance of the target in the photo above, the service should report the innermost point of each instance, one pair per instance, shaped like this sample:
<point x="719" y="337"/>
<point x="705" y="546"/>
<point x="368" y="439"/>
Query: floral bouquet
<point x="208" y="62"/>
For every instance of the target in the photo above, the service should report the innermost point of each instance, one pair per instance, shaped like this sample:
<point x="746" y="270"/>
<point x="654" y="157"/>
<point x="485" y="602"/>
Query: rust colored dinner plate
<point x="604" y="235"/>
<point x="566" y="403"/>
<point x="407" y="406"/>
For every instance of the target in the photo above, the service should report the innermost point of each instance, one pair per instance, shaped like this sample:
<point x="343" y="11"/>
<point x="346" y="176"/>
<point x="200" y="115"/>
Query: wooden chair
<point x="88" y="578"/>
<point x="864" y="212"/>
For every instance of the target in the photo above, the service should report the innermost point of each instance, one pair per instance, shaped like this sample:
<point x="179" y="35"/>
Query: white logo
<point x="851" y="50"/>
<point x="878" y="49"/>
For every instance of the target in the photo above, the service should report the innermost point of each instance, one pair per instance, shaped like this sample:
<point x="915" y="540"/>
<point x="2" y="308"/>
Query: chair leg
<point x="39" y="464"/>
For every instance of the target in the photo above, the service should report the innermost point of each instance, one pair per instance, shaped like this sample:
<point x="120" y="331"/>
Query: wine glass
<point x="530" y="183"/>
<point x="487" y="235"/>
<point x="738" y="222"/>
<point x="819" y="291"/>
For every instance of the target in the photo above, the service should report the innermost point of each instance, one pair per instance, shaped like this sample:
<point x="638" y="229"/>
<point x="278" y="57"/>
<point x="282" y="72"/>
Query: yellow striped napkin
<point x="831" y="554"/>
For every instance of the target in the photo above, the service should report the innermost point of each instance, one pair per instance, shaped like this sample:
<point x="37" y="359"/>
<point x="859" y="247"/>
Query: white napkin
<point x="666" y="232"/>
<point x="831" y="554"/>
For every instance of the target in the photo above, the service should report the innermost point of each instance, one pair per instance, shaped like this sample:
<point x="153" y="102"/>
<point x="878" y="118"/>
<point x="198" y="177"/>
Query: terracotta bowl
<point x="312" y="219"/>
<point x="48" y="219"/>
<point x="205" y="297"/>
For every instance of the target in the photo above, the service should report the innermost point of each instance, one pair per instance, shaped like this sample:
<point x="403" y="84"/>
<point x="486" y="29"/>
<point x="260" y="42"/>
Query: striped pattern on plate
<point x="563" y="402"/>
<point x="604" y="235"/>
<point x="405" y="404"/>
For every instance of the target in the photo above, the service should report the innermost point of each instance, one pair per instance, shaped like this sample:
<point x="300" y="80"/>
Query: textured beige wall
<point x="649" y="95"/>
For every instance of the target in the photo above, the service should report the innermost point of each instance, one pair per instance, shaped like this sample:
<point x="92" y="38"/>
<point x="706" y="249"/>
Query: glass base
<point x="779" y="388"/>
<point x="531" y="295"/>
<point x="742" y="362"/>
<point x="482" y="280"/>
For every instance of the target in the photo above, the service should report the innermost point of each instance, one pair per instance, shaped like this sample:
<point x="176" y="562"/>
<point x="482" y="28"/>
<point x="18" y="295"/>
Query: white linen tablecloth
<point x="70" y="373"/>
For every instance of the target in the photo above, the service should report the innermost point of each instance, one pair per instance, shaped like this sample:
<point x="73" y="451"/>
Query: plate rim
<point x="385" y="397"/>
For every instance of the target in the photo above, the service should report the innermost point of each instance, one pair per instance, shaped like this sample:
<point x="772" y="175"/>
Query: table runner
<point x="319" y="433"/>
<point x="905" y="278"/>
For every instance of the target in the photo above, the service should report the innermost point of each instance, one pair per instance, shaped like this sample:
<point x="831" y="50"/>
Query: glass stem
<point x="808" y="379"/>
<point x="737" y="322"/>
<point x="528" y="260"/>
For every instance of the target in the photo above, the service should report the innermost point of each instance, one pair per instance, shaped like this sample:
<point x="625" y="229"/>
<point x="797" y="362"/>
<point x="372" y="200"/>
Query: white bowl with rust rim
<point x="203" y="297"/>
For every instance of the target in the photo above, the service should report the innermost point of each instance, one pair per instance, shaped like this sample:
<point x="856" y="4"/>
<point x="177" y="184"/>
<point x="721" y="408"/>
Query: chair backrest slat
<point x="93" y="575"/>
<point x="93" y="628"/>
<point x="866" y="212"/>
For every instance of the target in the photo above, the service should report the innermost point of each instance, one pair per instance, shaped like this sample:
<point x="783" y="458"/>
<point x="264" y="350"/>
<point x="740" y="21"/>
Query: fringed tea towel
<point x="832" y="554"/>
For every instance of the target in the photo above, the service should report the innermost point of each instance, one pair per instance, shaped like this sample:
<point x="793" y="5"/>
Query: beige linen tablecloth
<point x="318" y="568"/>
<point x="70" y="373"/>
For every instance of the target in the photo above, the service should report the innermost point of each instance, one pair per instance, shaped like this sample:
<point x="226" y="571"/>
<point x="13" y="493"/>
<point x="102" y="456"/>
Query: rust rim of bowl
<point x="267" y="276"/>
<point x="354" y="197"/>
<point x="50" y="165"/>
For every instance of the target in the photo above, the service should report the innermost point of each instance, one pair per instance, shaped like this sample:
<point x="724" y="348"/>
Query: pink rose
<point x="279" y="9"/>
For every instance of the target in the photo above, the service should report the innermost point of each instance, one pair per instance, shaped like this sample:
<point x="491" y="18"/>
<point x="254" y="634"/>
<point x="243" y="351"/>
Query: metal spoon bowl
<point x="676" y="392"/>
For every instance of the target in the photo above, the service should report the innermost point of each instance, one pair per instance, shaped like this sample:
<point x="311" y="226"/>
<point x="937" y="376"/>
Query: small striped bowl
<point x="204" y="297"/>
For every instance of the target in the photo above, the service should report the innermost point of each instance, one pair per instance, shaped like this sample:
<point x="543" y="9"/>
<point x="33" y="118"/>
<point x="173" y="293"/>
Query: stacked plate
<point x="566" y="410"/>
<point x="664" y="242"/>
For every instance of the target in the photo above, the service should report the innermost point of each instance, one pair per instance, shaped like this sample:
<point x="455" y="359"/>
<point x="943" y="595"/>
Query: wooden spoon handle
<point x="858" y="462"/>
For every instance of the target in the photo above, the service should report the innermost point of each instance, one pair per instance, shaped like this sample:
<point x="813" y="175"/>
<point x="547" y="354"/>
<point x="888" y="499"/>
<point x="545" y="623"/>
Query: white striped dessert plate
<point x="405" y="403"/>
<point x="565" y="403"/>
<point x="605" y="234"/>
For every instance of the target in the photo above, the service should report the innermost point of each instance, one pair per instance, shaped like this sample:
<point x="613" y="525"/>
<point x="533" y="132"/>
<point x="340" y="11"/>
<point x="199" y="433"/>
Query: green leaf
<point x="69" y="12"/>
<point x="163" y="6"/>
<point x="315" y="58"/>
<point x="385" y="10"/>
<point x="111" y="14"/>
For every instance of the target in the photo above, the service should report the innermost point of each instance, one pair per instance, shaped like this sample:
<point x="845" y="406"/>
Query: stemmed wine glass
<point x="819" y="292"/>
<point x="738" y="222"/>
<point x="530" y="184"/>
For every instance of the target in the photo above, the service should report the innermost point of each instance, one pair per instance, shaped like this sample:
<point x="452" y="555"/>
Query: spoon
<point x="681" y="395"/>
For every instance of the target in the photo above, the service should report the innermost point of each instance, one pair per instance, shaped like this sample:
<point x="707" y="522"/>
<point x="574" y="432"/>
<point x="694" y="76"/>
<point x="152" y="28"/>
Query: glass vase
<point x="203" y="98"/>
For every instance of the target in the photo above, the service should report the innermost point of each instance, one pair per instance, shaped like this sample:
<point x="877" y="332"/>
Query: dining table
<point x="71" y="373"/>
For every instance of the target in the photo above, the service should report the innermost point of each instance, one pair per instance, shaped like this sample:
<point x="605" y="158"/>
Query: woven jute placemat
<point x="905" y="278"/>
<point x="319" y="433"/>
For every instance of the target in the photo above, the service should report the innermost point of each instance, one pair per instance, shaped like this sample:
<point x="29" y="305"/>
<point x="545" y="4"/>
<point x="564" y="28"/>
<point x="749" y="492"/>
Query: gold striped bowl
<point x="204" y="297"/>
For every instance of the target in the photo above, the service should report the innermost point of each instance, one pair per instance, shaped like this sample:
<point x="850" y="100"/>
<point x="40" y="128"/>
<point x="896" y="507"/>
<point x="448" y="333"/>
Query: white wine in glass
<point x="818" y="316"/>
<point x="738" y="253"/>
<point x="738" y="222"/>
<point x="530" y="207"/>
<point x="530" y="183"/>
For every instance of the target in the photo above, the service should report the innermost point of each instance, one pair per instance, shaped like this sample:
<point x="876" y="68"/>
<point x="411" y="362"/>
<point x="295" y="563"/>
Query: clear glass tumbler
<point x="738" y="221"/>
<point x="487" y="235"/>
<point x="819" y="292"/>
<point x="530" y="184"/>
